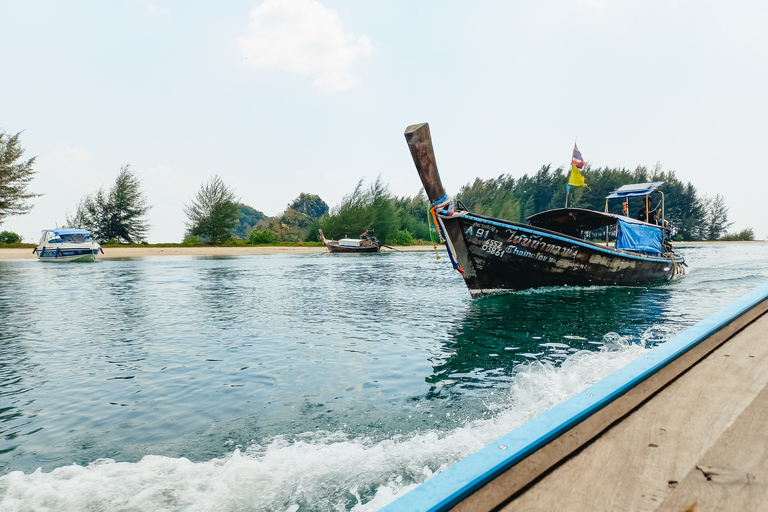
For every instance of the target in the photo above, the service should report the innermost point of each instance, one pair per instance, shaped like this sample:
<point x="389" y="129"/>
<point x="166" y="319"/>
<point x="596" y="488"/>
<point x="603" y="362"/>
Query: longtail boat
<point x="366" y="243"/>
<point x="496" y="255"/>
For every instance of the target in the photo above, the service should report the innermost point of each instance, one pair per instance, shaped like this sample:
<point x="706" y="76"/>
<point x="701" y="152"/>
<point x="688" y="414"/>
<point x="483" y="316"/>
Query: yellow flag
<point x="576" y="179"/>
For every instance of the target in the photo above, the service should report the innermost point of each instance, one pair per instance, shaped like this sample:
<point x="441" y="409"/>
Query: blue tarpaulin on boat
<point x="634" y="236"/>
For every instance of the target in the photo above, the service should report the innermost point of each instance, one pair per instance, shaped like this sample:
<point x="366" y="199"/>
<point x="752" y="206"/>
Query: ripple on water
<point x="271" y="382"/>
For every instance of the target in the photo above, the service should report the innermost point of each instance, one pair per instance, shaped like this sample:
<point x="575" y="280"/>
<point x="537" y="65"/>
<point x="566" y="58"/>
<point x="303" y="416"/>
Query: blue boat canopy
<point x="639" y="237"/>
<point x="635" y="189"/>
<point x="67" y="231"/>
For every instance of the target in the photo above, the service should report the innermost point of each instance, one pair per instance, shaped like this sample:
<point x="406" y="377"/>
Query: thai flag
<point x="577" y="160"/>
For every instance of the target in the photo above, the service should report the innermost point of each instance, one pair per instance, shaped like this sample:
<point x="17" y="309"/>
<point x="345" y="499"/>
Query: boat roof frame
<point x="66" y="231"/>
<point x="579" y="218"/>
<point x="635" y="189"/>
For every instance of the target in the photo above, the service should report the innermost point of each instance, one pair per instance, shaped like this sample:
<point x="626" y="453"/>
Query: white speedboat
<point x="63" y="244"/>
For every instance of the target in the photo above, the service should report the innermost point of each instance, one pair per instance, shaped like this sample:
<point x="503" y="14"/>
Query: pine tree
<point x="14" y="177"/>
<point x="716" y="217"/>
<point x="213" y="212"/>
<point x="118" y="214"/>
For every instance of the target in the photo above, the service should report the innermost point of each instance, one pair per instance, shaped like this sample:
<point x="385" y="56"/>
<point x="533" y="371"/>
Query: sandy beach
<point x="139" y="251"/>
<point x="142" y="251"/>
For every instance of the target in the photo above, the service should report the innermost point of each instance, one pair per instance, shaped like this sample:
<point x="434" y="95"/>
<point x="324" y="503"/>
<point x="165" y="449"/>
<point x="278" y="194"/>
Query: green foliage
<point x="716" y="218"/>
<point x="15" y="176"/>
<point x="9" y="237"/>
<point x="412" y="215"/>
<point x="119" y="213"/>
<point x="247" y="218"/>
<point x="295" y="219"/>
<point x="313" y="235"/>
<point x="299" y="222"/>
<point x="111" y="241"/>
<point x="376" y="208"/>
<point x="402" y="237"/>
<point x="213" y="212"/>
<point x="190" y="240"/>
<point x="262" y="237"/>
<point x="516" y="199"/>
<point x="310" y="205"/>
<point x="742" y="236"/>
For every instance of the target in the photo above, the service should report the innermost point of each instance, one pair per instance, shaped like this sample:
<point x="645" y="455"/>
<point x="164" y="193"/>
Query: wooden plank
<point x="638" y="462"/>
<point x="733" y="474"/>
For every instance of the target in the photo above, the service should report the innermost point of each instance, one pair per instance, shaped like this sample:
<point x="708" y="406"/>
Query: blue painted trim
<point x="568" y="240"/>
<point x="448" y="488"/>
<point x="440" y="200"/>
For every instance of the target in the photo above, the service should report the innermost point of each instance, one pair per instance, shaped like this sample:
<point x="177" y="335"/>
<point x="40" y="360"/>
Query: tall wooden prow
<point x="420" y="143"/>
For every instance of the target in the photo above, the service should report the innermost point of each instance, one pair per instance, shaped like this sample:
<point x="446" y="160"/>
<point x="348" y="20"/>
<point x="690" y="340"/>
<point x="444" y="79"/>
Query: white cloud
<point x="303" y="37"/>
<point x="155" y="12"/>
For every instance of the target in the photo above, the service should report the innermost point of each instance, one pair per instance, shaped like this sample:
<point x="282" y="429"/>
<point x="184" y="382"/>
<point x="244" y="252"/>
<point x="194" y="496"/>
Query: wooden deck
<point x="683" y="428"/>
<point x="700" y="444"/>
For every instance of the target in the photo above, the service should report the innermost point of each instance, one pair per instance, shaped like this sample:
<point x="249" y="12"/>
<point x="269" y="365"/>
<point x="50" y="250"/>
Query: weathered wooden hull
<point x="339" y="248"/>
<point x="497" y="256"/>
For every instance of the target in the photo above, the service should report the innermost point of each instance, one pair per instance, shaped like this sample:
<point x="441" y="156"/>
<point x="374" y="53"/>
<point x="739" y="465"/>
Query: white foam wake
<point x="318" y="471"/>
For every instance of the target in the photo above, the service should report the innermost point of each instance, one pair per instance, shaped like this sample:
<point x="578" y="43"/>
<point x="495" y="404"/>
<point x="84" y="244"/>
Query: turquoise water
<point x="298" y="382"/>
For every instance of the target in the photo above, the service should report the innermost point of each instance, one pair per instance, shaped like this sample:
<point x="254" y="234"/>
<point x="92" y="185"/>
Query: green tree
<point x="262" y="237"/>
<point x="9" y="237"/>
<point x="516" y="199"/>
<point x="412" y="215"/>
<point x="15" y="175"/>
<point x="402" y="238"/>
<point x="119" y="213"/>
<point x="213" y="212"/>
<point x="743" y="235"/>
<point x="372" y="208"/>
<point x="716" y="217"/>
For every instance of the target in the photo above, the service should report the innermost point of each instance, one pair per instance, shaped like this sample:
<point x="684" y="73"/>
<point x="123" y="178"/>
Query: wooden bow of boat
<point x="420" y="143"/>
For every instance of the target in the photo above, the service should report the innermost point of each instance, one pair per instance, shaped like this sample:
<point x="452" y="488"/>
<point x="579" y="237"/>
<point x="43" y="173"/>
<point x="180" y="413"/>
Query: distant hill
<point x="248" y="218"/>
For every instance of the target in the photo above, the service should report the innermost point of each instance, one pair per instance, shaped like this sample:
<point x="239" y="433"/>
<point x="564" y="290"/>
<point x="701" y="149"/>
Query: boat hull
<point x="497" y="256"/>
<point x="343" y="249"/>
<point x="67" y="253"/>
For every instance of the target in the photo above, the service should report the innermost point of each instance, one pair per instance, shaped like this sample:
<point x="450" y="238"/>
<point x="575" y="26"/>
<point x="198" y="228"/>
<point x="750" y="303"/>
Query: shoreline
<point x="142" y="252"/>
<point x="138" y="251"/>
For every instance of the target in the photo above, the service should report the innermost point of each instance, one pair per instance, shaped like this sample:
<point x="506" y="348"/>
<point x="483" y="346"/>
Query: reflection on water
<point x="340" y="371"/>
<point x="548" y="325"/>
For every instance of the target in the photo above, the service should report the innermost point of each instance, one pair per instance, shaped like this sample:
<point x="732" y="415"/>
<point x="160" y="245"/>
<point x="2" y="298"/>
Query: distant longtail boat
<point x="496" y="255"/>
<point x="366" y="243"/>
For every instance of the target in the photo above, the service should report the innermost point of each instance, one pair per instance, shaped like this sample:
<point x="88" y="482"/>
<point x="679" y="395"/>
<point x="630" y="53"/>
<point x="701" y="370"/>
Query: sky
<point x="280" y="97"/>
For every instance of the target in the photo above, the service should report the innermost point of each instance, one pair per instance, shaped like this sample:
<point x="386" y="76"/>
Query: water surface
<point x="298" y="382"/>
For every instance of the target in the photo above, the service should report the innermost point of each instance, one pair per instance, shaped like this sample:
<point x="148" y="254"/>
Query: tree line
<point x="216" y="215"/>
<point x="692" y="216"/>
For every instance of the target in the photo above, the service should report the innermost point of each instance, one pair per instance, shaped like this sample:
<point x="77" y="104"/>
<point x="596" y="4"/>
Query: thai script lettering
<point x="519" y="243"/>
<point x="535" y="242"/>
